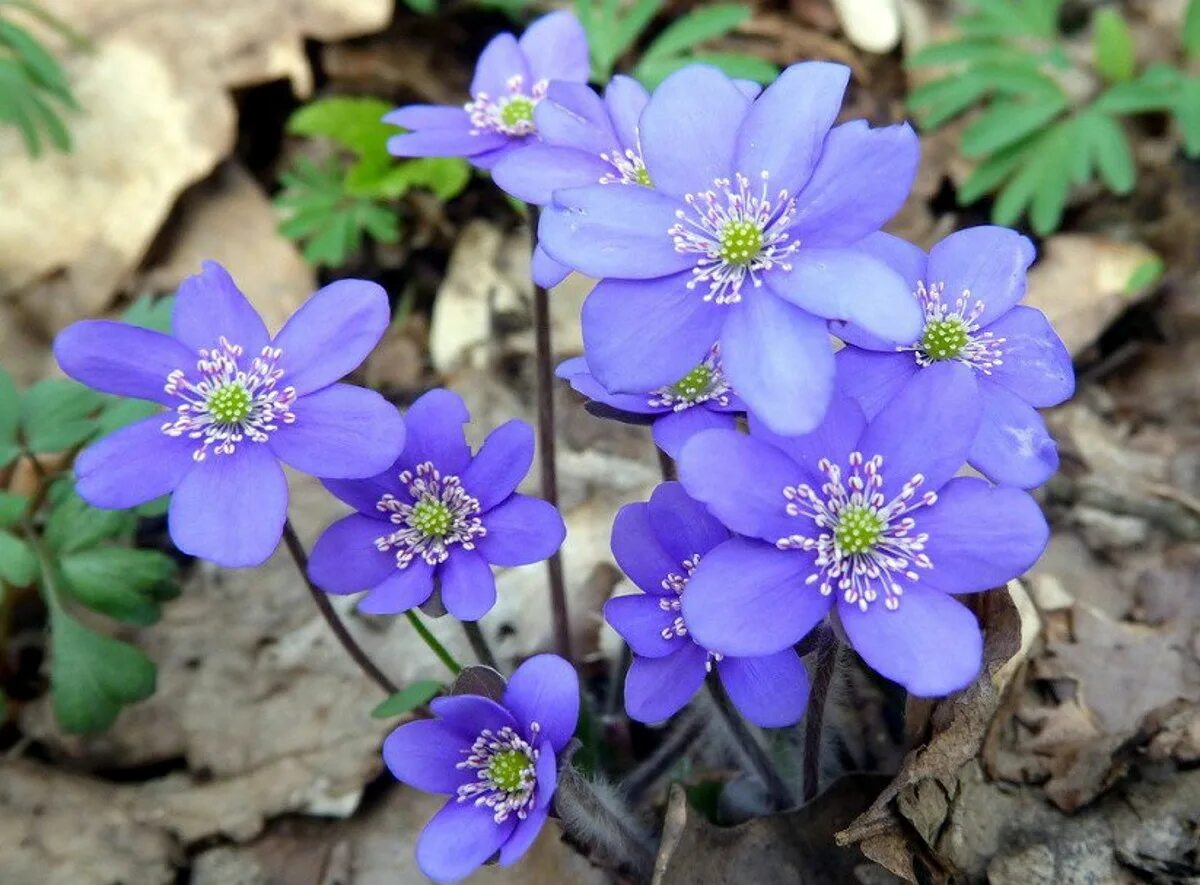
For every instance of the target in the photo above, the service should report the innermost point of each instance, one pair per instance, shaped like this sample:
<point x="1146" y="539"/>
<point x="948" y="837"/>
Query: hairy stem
<point x="595" y="815"/>
<point x="296" y="549"/>
<point x="432" y="641"/>
<point x="479" y="645"/>
<point x="764" y="768"/>
<point x="822" y="677"/>
<point x="646" y="775"/>
<point x="547" y="446"/>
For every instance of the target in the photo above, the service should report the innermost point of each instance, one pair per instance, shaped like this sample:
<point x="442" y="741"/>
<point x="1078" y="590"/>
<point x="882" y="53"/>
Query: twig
<point x="822" y="678"/>
<point x="781" y="796"/>
<point x="479" y="645"/>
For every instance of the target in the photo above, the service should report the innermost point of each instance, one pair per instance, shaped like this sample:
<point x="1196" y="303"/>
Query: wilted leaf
<point x="483" y="681"/>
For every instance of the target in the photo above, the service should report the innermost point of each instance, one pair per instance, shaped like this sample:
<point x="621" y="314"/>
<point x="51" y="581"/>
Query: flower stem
<point x="296" y="549"/>
<point x="547" y="451"/>
<point x="777" y="790"/>
<point x="432" y="641"/>
<point x="647" y="773"/>
<point x="595" y="815"/>
<point x="826" y="663"/>
<point x="479" y="645"/>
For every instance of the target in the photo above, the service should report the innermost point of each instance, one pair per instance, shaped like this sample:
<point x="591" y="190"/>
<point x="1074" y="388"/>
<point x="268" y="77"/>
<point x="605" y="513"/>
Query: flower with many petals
<point x="437" y="517"/>
<point x="968" y="288"/>
<point x="745" y="239"/>
<point x="238" y="401"/>
<point x="863" y="517"/>
<point x="659" y="545"/>
<point x="496" y="761"/>
<point x="511" y="79"/>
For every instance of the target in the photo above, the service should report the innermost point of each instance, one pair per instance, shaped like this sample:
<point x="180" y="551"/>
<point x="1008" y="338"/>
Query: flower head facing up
<point x="238" y="401"/>
<point x="512" y="78"/>
<point x="660" y="545"/>
<point x="438" y="517"/>
<point x="747" y="238"/>
<point x="969" y="288"/>
<point x="496" y="760"/>
<point x="865" y="518"/>
<point x="700" y="400"/>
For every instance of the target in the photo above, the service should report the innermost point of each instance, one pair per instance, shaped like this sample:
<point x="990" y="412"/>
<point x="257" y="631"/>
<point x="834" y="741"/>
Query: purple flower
<point x="968" y="288"/>
<point x="511" y="79"/>
<point x="241" y="401"/>
<point x="744" y="238"/>
<point x="700" y="400"/>
<point x="496" y="761"/>
<point x="659" y="545"/>
<point x="866" y="514"/>
<point x="437" y="517"/>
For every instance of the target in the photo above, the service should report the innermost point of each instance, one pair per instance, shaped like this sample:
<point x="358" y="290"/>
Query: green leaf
<point x="355" y="123"/>
<point x="1041" y="184"/>
<point x="12" y="508"/>
<point x="699" y="25"/>
<point x="10" y="418"/>
<point x="1187" y="115"/>
<point x="995" y="169"/>
<point x="118" y="582"/>
<point x="631" y="27"/>
<point x="149" y="312"/>
<point x="93" y="676"/>
<point x="739" y="66"/>
<point x="1104" y="138"/>
<point x="56" y="415"/>
<point x="962" y="50"/>
<point x="118" y="413"/>
<point x="407" y="699"/>
<point x="1007" y="122"/>
<point x="422" y="7"/>
<point x="40" y="64"/>
<point x="1155" y="90"/>
<point x="18" y="565"/>
<point x="1145" y="276"/>
<point x="1191" y="29"/>
<point x="75" y="525"/>
<point x="1113" y="47"/>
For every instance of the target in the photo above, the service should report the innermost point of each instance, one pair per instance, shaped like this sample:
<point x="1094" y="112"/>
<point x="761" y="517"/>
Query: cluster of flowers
<point x="733" y="231"/>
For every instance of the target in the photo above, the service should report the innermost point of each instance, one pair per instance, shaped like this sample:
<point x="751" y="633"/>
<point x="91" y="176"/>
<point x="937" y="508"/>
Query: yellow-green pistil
<point x="519" y="109"/>
<point x="945" y="339"/>
<point x="858" y="530"/>
<point x="432" y="518"/>
<point x="230" y="404"/>
<point x="508" y="770"/>
<point x="741" y="241"/>
<point x="643" y="176"/>
<point x="695" y="383"/>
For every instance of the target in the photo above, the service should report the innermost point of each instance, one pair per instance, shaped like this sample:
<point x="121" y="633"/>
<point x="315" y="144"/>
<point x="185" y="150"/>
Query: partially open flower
<point x="239" y="401"/>
<point x="496" y="761"/>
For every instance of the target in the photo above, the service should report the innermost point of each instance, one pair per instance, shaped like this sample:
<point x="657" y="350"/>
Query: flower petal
<point x="980" y="536"/>
<point x="332" y="333"/>
<point x="931" y="644"/>
<point x="786" y="127"/>
<point x="835" y="438"/>
<point x="500" y="61"/>
<point x="459" y="839"/>
<point x="341" y="432"/>
<point x="682" y="524"/>
<point x="520" y="531"/>
<point x="748" y="599"/>
<point x="545" y="271"/>
<point x="771" y="691"/>
<point x="873" y="378"/>
<point x="547" y="775"/>
<point x="122" y="359"/>
<point x="584" y="382"/>
<point x="989" y="262"/>
<point x="637" y="550"/>
<point x="136" y="464"/>
<point x="468" y="586"/>
<point x="501" y="464"/>
<point x="689" y="129"/>
<point x="862" y="179"/>
<point x="641" y="620"/>
<point x="1035" y="364"/>
<point x="625" y="99"/>
<point x="209" y="306"/>
<point x="230" y="509"/>
<point x="573" y="116"/>
<point x="640" y="335"/>
<point x="536" y="171"/>
<point x="658" y="688"/>
<point x="460" y="142"/>
<point x="364" y="494"/>
<point x="428" y="116"/>
<point x="927" y="428"/>
<point x="740" y="479"/>
<point x="902" y="257"/>
<point x="524" y="834"/>
<point x="405" y="589"/>
<point x="545" y="690"/>
<point x="1013" y="446"/>
<point x="608" y="231"/>
<point x="674" y="429"/>
<point x="434" y="425"/>
<point x="345" y="558"/>
<point x="423" y="754"/>
<point x="470" y="714"/>
<point x="779" y="360"/>
<point x="556" y="48"/>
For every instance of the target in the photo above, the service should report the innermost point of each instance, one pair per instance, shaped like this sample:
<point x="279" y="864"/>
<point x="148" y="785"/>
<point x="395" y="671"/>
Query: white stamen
<point x="981" y="351"/>
<point x="489" y="115"/>
<point x="439" y="500"/>
<point x="485" y="790"/>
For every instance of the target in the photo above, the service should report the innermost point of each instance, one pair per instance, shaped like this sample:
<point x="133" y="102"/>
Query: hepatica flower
<point x="700" y="400"/>
<point x="745" y="239"/>
<point x="238" y="402"/>
<point x="863" y="517"/>
<point x="496" y="762"/>
<point x="659" y="545"/>
<point x="511" y="79"/>
<point x="968" y="288"/>
<point x="437" y="517"/>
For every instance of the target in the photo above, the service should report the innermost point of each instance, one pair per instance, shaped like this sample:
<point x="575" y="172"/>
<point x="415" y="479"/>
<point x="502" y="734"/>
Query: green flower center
<point x="695" y="383"/>
<point x="945" y="339"/>
<point x="230" y="404"/>
<point x="431" y="518"/>
<point x="508" y="769"/>
<point x="643" y="177"/>
<point x="519" y="109"/>
<point x="858" y="530"/>
<point x="740" y="242"/>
